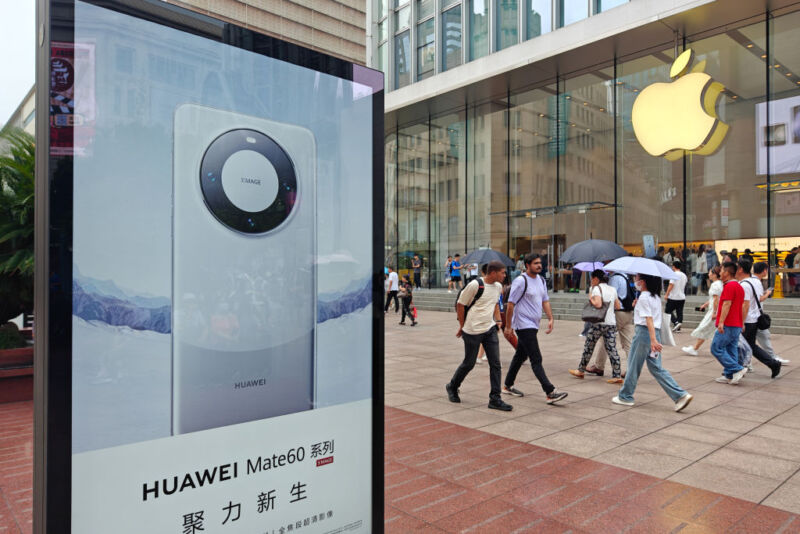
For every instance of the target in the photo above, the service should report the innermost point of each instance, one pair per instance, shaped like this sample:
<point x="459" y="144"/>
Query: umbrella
<point x="485" y="255"/>
<point x="593" y="250"/>
<point x="636" y="265"/>
<point x="588" y="266"/>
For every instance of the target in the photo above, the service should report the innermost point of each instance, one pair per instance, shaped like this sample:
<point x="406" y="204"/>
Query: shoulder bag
<point x="764" y="321"/>
<point x="594" y="315"/>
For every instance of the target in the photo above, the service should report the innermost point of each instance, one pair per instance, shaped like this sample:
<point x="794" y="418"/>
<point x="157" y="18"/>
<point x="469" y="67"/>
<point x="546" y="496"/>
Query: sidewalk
<point x="740" y="441"/>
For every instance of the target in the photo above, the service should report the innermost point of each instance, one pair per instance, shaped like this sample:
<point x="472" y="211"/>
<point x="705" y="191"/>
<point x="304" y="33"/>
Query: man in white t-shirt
<point x="392" y="292"/>
<point x="753" y="290"/>
<point x="478" y="322"/>
<point x="676" y="297"/>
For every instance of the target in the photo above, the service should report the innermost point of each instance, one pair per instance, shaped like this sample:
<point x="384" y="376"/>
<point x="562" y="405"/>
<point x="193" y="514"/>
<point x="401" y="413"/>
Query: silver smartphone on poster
<point x="243" y="269"/>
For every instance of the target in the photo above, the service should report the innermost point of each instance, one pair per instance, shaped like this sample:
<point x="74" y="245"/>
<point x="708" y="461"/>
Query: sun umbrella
<point x="636" y="265"/>
<point x="588" y="266"/>
<point x="485" y="255"/>
<point x="593" y="250"/>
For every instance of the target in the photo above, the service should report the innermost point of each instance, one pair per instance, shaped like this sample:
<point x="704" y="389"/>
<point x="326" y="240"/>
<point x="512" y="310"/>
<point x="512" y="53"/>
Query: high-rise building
<point x="510" y="124"/>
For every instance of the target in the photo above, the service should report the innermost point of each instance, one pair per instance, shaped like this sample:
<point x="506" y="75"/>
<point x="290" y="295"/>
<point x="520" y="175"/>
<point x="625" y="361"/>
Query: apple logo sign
<point x="669" y="118"/>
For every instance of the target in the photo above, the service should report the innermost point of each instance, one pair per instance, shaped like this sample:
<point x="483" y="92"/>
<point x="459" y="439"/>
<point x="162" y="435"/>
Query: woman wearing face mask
<point x="706" y="329"/>
<point x="646" y="346"/>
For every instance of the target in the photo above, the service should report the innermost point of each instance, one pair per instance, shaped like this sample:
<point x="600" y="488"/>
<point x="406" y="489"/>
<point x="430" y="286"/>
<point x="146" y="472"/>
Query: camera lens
<point x="248" y="181"/>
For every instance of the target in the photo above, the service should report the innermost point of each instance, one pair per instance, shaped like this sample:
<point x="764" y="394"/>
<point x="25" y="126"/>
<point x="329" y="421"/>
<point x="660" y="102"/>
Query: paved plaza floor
<point x="741" y="441"/>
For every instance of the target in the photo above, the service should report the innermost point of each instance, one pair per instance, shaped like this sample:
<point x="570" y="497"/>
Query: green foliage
<point x="10" y="338"/>
<point x="17" y="171"/>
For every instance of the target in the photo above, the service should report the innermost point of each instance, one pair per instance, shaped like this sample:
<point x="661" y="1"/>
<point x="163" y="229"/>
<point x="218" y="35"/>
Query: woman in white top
<point x="646" y="346"/>
<point x="602" y="293"/>
<point x="707" y="327"/>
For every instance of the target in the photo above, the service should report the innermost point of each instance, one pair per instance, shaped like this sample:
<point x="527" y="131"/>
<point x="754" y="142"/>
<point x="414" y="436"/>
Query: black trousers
<point x="677" y="307"/>
<point x="749" y="332"/>
<point x="417" y="280"/>
<point x="528" y="348"/>
<point x="389" y="297"/>
<point x="407" y="310"/>
<point x="472" y="343"/>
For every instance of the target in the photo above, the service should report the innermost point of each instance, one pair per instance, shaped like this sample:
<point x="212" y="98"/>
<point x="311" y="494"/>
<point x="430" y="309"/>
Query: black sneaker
<point x="555" y="396"/>
<point x="402" y="323"/>
<point x="452" y="393"/>
<point x="511" y="390"/>
<point x="776" y="370"/>
<point x="500" y="405"/>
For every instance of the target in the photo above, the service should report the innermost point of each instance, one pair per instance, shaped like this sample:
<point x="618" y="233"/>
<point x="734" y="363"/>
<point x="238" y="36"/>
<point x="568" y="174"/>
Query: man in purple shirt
<point x="526" y="300"/>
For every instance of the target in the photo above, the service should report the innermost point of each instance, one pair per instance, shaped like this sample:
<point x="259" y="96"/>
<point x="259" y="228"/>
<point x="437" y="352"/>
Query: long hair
<point x="652" y="284"/>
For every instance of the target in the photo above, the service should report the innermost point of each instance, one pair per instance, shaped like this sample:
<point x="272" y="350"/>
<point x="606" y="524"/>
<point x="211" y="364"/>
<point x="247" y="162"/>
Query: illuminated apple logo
<point x="669" y="118"/>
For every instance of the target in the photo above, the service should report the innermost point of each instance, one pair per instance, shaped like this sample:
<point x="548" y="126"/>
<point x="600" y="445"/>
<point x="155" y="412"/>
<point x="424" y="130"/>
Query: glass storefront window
<point x="390" y="199"/>
<point x="383" y="8"/>
<point x="448" y="190"/>
<point x="649" y="188"/>
<point x="451" y="33"/>
<point x="506" y="24"/>
<point x="413" y="196"/>
<point x="605" y="5"/>
<point x="539" y="15"/>
<point x="426" y="54"/>
<point x="425" y="8"/>
<point x="402" y="60"/>
<point x="383" y="30"/>
<point x="479" y="28"/>
<point x="570" y="11"/>
<point x="784" y="148"/>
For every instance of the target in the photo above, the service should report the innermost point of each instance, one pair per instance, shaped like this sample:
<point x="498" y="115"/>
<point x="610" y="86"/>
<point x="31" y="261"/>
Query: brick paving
<point x="16" y="467"/>
<point x="442" y="477"/>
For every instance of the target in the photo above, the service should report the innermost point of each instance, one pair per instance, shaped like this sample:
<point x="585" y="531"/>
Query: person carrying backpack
<point x="626" y="292"/>
<point x="478" y="321"/>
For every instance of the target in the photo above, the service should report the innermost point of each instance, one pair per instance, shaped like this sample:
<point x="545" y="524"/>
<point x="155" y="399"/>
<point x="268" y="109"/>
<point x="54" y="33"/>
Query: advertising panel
<point x="220" y="272"/>
<point x="781" y="136"/>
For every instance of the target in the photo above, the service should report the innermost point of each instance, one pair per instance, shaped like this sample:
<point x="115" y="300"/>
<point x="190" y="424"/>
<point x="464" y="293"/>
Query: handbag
<point x="592" y="314"/>
<point x="667" y="339"/>
<point x="764" y="321"/>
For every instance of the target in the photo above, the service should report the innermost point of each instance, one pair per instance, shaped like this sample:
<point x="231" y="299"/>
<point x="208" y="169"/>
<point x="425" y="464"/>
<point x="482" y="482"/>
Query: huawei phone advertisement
<point x="222" y="285"/>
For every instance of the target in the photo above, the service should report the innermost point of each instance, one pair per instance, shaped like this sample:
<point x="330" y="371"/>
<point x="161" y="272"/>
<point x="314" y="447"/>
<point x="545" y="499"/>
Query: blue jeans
<point x="725" y="348"/>
<point x="637" y="356"/>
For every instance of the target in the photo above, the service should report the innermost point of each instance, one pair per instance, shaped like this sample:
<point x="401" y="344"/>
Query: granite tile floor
<point x="740" y="441"/>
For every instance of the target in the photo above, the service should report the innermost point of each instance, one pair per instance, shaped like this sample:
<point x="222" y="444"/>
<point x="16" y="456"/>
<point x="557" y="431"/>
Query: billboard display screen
<point x="212" y="271"/>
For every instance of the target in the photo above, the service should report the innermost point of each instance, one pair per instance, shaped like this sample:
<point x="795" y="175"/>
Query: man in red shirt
<point x="725" y="346"/>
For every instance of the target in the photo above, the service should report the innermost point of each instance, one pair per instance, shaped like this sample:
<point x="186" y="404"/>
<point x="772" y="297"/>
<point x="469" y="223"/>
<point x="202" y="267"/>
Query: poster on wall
<point x="222" y="271"/>
<point x="780" y="135"/>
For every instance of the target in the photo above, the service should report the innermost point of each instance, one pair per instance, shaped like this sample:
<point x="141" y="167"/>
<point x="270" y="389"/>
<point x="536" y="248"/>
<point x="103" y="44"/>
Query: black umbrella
<point x="485" y="255"/>
<point x="593" y="250"/>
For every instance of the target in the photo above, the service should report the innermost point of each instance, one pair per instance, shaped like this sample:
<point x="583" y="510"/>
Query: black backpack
<point x="627" y="302"/>
<point x="474" y="300"/>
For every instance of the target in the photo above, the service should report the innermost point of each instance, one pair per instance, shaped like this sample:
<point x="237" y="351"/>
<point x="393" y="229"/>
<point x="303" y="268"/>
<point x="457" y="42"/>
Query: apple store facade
<point x="531" y="146"/>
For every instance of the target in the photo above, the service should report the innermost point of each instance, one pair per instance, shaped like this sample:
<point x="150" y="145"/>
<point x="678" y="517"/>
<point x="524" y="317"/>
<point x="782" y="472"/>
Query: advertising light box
<point x="208" y="351"/>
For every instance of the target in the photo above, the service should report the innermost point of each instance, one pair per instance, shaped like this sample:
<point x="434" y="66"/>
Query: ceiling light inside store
<point x="602" y="109"/>
<point x="763" y="56"/>
<point x="750" y="45"/>
<point x="777" y="65"/>
<point x="541" y="114"/>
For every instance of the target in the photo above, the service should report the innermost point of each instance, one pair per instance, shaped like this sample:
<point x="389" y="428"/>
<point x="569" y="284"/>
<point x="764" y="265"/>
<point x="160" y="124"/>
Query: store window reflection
<point x="413" y="195"/>
<point x="784" y="148"/>
<point x="570" y="11"/>
<point x="649" y="188"/>
<point x="539" y="17"/>
<point x="507" y="17"/>
<point x="390" y="199"/>
<point x="478" y="28"/>
<point x="451" y="33"/>
<point x="448" y="191"/>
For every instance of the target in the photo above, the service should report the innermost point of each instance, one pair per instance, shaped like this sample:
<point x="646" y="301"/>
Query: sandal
<point x="616" y="380"/>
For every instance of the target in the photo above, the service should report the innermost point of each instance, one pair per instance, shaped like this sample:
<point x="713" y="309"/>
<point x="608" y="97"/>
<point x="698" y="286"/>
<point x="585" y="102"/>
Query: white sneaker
<point x="484" y="358"/>
<point x="738" y="375"/>
<point x="683" y="402"/>
<point x="689" y="350"/>
<point x="722" y="380"/>
<point x="617" y="400"/>
<point x="676" y="327"/>
<point x="750" y="368"/>
<point x="783" y="362"/>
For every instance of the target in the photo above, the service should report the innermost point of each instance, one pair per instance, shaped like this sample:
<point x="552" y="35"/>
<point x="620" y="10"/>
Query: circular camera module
<point x="248" y="181"/>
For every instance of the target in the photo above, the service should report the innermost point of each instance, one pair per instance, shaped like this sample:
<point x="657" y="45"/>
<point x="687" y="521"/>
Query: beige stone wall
<point x="334" y="27"/>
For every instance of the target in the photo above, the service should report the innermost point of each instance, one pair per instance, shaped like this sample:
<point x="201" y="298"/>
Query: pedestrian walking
<point x="391" y="294"/>
<point x="447" y="272"/>
<point x="646" y="346"/>
<point x="455" y="272"/>
<point x="626" y="293"/>
<point x="725" y="345"/>
<point x="753" y="291"/>
<point x="676" y="297"/>
<point x="478" y="321"/>
<point x="602" y="294"/>
<point x="700" y="274"/>
<point x="707" y="327"/>
<point x="405" y="293"/>
<point x="526" y="301"/>
<point x="763" y="337"/>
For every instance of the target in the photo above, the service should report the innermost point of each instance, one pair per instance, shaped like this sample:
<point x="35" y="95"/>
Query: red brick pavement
<point x="442" y="477"/>
<point x="16" y="467"/>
